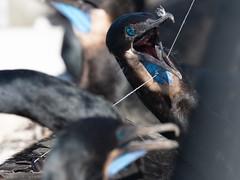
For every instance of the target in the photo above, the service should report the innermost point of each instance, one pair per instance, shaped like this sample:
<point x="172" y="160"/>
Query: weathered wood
<point x="24" y="164"/>
<point x="20" y="176"/>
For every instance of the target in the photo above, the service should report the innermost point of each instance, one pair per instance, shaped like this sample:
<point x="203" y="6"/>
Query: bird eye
<point x="130" y="31"/>
<point x="120" y="135"/>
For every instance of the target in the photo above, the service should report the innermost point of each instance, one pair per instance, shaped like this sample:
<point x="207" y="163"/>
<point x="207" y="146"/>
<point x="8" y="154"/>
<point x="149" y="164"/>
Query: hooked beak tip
<point x="171" y="17"/>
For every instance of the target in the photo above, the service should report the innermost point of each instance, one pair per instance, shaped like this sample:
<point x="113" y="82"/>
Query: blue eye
<point x="130" y="31"/>
<point x="120" y="135"/>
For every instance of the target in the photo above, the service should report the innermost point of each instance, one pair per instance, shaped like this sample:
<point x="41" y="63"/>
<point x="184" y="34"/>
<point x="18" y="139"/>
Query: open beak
<point x="147" y="45"/>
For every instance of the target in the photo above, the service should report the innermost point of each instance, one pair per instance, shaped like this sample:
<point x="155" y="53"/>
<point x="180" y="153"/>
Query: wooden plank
<point x="21" y="176"/>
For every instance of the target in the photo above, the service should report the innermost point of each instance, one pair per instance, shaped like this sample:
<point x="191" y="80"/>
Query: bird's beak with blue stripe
<point x="131" y="148"/>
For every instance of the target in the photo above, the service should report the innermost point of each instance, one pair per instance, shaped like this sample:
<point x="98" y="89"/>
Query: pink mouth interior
<point x="146" y="45"/>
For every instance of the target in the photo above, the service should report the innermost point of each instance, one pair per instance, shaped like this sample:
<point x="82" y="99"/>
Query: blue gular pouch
<point x="123" y="161"/>
<point x="162" y="75"/>
<point x="80" y="20"/>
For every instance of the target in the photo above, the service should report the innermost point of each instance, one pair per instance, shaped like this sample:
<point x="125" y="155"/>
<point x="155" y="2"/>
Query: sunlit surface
<point x="27" y="41"/>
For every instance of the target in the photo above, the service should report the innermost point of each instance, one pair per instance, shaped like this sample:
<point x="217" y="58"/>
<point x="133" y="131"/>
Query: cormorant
<point x="99" y="148"/>
<point x="134" y="40"/>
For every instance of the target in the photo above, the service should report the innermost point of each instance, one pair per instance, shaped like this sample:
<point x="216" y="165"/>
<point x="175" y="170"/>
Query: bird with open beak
<point x="134" y="40"/>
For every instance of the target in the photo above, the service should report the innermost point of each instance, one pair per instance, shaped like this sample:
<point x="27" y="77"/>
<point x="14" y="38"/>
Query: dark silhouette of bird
<point x="101" y="149"/>
<point x="210" y="148"/>
<point x="214" y="129"/>
<point x="134" y="40"/>
<point x="47" y="100"/>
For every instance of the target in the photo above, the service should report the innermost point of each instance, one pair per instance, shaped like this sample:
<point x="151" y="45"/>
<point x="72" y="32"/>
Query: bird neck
<point x="161" y="76"/>
<point x="138" y="72"/>
<point x="169" y="102"/>
<point x="47" y="100"/>
<point x="96" y="36"/>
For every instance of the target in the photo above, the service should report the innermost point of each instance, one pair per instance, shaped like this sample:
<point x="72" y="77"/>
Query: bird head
<point x="100" y="148"/>
<point x="136" y="36"/>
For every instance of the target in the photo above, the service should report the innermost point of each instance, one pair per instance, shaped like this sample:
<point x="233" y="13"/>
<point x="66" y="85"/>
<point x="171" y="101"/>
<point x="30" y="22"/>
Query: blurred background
<point x="27" y="41"/>
<point x="42" y="36"/>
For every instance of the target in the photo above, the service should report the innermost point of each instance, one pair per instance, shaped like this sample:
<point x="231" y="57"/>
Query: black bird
<point x="134" y="40"/>
<point x="99" y="148"/>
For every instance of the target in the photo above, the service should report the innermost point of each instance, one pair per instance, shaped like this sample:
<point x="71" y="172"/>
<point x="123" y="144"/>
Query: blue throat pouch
<point x="81" y="20"/>
<point x="123" y="161"/>
<point x="162" y="75"/>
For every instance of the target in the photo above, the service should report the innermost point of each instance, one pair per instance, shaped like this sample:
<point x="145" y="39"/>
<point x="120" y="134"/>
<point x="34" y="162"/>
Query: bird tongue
<point x="145" y="46"/>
